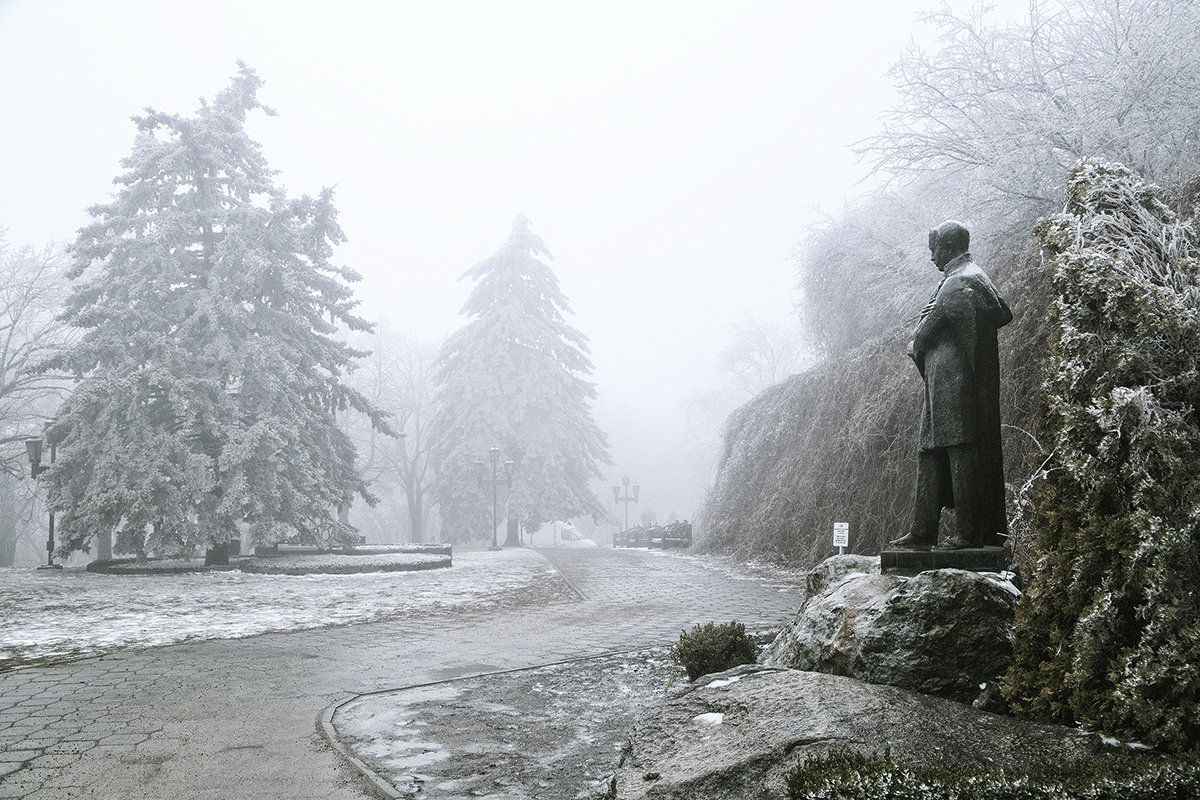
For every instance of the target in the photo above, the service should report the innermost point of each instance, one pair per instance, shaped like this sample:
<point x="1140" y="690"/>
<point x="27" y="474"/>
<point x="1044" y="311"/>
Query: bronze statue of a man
<point x="960" y="464"/>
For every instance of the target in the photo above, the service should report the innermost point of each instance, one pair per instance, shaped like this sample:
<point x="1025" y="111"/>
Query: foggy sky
<point x="669" y="154"/>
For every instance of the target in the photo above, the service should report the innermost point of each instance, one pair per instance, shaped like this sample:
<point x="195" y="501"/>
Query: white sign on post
<point x="841" y="535"/>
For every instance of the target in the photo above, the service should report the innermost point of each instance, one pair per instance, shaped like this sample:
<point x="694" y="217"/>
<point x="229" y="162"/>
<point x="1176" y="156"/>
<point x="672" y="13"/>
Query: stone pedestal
<point x="912" y="561"/>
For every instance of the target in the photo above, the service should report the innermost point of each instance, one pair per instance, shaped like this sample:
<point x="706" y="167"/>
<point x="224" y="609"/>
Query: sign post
<point x="841" y="536"/>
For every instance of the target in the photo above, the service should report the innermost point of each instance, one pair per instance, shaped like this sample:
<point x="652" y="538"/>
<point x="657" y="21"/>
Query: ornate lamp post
<point x="33" y="447"/>
<point x="494" y="482"/>
<point x="626" y="498"/>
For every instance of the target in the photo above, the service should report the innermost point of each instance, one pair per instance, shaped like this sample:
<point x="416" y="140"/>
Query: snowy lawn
<point x="298" y="564"/>
<point x="48" y="616"/>
<point x="335" y="563"/>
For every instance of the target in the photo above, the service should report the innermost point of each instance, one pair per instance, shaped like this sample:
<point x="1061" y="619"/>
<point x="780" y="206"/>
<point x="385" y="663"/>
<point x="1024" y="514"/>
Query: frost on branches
<point x="1108" y="633"/>
<point x="514" y="376"/>
<point x="209" y="368"/>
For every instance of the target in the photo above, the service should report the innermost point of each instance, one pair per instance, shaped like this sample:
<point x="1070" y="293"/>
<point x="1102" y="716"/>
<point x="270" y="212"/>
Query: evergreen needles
<point x="209" y="369"/>
<point x="514" y="376"/>
<point x="845" y="774"/>
<point x="714" y="648"/>
<point x="1108" y="633"/>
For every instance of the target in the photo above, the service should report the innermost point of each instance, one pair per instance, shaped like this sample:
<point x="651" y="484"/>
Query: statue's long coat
<point x="956" y="351"/>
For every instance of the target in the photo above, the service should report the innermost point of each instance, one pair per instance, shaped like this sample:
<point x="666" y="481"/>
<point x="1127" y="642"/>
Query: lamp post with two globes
<point x="625" y="498"/>
<point x="494" y="482"/>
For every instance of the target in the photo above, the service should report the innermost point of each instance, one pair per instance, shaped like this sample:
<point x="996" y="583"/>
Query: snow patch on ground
<point x="549" y="732"/>
<point x="74" y="613"/>
<point x="712" y="718"/>
<point x="717" y="684"/>
<point x="1112" y="741"/>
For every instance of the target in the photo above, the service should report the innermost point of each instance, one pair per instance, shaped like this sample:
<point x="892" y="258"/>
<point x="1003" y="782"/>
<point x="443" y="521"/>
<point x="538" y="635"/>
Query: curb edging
<point x="377" y="783"/>
<point x="380" y="785"/>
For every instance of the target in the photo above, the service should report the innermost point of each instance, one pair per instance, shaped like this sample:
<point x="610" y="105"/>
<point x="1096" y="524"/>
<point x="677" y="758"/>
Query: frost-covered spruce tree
<point x="514" y="376"/>
<point x="209" y="368"/>
<point x="1108" y="633"/>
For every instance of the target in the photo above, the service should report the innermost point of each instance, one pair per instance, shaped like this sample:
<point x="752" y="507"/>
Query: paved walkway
<point x="239" y="718"/>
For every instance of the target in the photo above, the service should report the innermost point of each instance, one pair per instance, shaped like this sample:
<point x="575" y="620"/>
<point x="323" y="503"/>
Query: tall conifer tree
<point x="514" y="376"/>
<point x="209" y="368"/>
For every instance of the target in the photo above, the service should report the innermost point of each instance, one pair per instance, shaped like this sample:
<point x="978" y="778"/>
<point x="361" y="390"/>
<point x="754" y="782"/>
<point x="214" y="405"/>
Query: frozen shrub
<point x="714" y="648"/>
<point x="844" y="774"/>
<point x="1108" y="632"/>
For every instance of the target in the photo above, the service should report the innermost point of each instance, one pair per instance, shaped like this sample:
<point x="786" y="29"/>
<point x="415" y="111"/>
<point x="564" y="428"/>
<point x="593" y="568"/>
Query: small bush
<point x="714" y="648"/>
<point x="845" y="774"/>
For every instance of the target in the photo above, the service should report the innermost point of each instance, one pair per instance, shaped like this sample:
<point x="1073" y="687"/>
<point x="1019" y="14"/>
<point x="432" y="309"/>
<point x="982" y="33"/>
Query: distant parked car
<point x="666" y="537"/>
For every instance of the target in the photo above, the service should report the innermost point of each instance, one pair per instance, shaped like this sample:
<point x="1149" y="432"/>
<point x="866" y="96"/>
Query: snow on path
<point x="74" y="613"/>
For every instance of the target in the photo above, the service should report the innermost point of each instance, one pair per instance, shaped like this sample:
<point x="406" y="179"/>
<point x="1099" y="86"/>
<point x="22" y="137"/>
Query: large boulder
<point x="943" y="632"/>
<point x="736" y="734"/>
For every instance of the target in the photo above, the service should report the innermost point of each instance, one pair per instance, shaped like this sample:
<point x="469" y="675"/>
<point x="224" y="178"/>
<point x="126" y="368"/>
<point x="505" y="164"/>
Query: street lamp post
<point x="33" y="447"/>
<point x="627" y="498"/>
<point x="494" y="455"/>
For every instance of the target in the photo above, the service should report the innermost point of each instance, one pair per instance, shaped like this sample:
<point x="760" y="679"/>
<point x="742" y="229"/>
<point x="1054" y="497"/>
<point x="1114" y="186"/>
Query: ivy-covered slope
<point x="1108" y="632"/>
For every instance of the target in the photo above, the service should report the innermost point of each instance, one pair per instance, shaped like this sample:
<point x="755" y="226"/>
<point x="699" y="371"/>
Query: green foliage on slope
<point x="1108" y="633"/>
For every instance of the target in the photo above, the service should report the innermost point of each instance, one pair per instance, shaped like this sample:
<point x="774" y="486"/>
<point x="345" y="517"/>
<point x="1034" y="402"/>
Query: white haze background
<point x="669" y="153"/>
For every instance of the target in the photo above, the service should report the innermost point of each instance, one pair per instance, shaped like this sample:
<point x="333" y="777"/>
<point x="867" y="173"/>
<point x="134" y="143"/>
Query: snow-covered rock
<point x="833" y="569"/>
<point x="943" y="632"/>
<point x="772" y="718"/>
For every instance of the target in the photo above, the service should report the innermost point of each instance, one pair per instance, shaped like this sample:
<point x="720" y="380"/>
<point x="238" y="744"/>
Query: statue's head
<point x="948" y="241"/>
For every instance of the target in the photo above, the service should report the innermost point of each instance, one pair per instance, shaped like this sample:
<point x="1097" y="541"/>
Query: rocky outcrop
<point x="736" y="734"/>
<point x="833" y="569"/>
<point x="943" y="632"/>
<point x="821" y="636"/>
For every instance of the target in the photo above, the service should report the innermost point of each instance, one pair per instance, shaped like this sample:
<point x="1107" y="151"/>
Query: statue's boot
<point x="912" y="540"/>
<point x="953" y="543"/>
